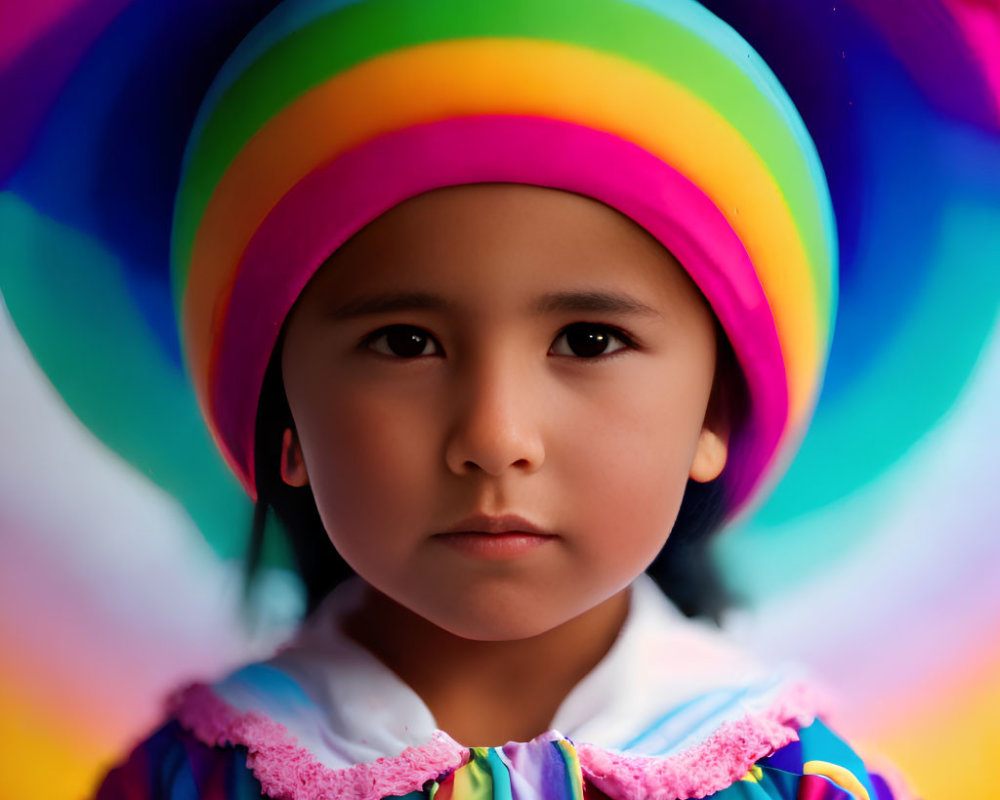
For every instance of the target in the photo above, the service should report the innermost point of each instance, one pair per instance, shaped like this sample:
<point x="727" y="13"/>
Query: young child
<point x="496" y="306"/>
<point x="482" y="312"/>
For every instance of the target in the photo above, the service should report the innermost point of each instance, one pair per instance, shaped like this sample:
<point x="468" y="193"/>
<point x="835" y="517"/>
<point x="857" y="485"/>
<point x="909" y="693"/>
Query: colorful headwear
<point x="331" y="113"/>
<point x="902" y="99"/>
<point x="110" y="172"/>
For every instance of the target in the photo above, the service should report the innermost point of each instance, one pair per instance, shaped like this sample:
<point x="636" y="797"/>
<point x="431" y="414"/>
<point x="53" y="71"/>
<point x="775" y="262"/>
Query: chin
<point x="504" y="616"/>
<point x="495" y="627"/>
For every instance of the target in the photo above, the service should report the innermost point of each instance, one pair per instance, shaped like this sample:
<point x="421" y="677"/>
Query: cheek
<point x="368" y="456"/>
<point x="627" y="457"/>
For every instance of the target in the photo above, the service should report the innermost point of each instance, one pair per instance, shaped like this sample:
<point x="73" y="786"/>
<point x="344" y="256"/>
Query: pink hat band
<point x="334" y="201"/>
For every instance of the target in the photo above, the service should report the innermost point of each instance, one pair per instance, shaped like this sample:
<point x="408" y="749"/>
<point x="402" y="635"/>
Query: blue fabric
<point x="173" y="765"/>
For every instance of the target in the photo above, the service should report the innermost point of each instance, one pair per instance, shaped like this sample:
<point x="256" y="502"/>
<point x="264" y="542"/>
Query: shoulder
<point x="760" y="743"/>
<point x="820" y="764"/>
<point x="171" y="764"/>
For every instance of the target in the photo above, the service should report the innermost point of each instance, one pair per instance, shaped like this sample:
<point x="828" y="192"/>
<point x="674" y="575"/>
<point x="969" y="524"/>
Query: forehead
<point x="502" y="238"/>
<point x="495" y="217"/>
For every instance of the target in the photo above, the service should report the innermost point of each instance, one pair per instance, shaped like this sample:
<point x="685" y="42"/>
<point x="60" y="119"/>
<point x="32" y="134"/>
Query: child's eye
<point x="402" y="341"/>
<point x="590" y="340"/>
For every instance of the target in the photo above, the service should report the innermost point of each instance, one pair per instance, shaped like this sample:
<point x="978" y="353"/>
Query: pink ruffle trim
<point x="710" y="766"/>
<point x="288" y="771"/>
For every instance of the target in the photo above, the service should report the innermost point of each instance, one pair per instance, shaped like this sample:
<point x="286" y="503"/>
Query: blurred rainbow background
<point x="875" y="562"/>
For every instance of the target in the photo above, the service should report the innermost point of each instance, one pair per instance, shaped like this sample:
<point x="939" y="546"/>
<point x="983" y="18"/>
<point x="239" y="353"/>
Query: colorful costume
<point x="674" y="710"/>
<point x="164" y="176"/>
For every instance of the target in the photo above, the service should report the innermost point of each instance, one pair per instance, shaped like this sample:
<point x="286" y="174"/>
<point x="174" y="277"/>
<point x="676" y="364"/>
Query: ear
<point x="712" y="451"/>
<point x="293" y="466"/>
<point x="710" y="455"/>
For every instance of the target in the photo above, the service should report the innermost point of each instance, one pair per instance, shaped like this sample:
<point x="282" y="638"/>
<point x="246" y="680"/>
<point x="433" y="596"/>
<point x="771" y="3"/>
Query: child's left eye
<point x="590" y="340"/>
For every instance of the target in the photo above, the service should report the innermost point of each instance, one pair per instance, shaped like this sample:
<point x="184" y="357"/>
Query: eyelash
<point x="617" y="333"/>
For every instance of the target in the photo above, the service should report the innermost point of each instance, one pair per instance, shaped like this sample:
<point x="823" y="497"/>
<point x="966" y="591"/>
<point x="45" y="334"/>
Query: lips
<point x="506" y="523"/>
<point x="494" y="538"/>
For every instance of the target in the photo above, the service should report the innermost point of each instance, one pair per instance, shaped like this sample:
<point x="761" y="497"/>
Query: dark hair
<point x="685" y="568"/>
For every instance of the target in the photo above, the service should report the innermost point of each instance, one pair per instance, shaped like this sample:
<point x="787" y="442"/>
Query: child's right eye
<point x="401" y="341"/>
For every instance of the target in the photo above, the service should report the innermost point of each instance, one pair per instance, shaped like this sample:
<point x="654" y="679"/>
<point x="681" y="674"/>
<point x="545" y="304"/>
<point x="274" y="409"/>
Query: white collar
<point x="667" y="683"/>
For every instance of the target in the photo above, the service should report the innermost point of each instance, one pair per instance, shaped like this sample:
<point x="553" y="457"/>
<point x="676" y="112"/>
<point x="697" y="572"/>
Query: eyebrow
<point x="612" y="302"/>
<point x="383" y="303"/>
<point x="587" y="302"/>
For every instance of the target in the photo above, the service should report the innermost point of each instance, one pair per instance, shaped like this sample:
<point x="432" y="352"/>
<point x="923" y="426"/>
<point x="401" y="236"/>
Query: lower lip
<point x="494" y="546"/>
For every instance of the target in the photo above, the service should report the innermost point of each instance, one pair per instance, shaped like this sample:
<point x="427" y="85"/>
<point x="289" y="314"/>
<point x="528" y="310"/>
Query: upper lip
<point x="506" y="523"/>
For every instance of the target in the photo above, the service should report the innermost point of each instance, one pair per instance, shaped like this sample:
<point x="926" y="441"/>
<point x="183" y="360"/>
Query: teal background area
<point x="85" y="333"/>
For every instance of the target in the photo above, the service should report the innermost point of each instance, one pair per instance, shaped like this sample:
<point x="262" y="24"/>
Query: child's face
<point x="486" y="402"/>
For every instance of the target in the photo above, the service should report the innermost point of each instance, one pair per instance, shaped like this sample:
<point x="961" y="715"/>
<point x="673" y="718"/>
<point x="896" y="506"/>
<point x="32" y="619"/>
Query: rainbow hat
<point x="330" y="114"/>
<point x="172" y="157"/>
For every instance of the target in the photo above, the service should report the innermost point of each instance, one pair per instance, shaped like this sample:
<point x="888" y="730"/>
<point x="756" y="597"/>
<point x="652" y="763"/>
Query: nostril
<point x="493" y="429"/>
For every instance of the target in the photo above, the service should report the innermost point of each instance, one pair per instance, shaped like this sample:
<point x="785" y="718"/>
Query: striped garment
<point x="173" y="764"/>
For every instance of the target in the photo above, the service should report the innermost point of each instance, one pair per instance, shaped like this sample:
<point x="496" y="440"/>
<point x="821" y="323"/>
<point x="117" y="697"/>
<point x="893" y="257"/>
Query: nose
<point x="496" y="420"/>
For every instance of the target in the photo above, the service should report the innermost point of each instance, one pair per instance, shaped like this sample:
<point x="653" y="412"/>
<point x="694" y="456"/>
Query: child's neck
<point x="487" y="693"/>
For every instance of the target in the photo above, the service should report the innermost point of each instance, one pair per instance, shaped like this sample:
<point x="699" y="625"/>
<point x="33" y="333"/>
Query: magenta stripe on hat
<point x="336" y="200"/>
